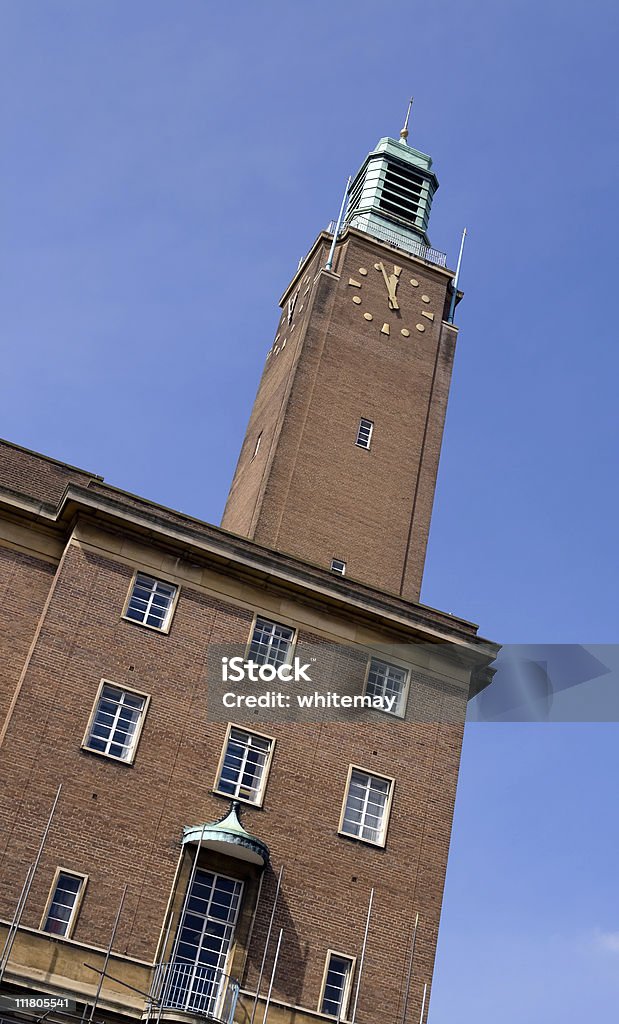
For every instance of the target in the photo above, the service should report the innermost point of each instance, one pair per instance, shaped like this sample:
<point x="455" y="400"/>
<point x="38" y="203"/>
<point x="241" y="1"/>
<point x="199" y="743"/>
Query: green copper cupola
<point x="391" y="195"/>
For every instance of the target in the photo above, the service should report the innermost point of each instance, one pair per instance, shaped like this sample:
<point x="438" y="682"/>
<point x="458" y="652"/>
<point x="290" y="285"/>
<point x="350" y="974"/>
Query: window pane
<point x="115" y="724"/>
<point x="364" y="433"/>
<point x="244" y="765"/>
<point x="336" y="985"/>
<point x="204" y="941"/>
<point x="270" y="643"/>
<point x="366" y="802"/>
<point x="63" y="904"/>
<point x="385" y="680"/>
<point x="151" y="601"/>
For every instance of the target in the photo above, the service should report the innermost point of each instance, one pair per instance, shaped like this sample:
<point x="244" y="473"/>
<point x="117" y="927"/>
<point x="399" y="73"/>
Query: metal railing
<point x="424" y="252"/>
<point x="195" y="989"/>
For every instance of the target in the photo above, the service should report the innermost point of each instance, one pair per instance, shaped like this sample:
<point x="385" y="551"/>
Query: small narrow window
<point x="336" y="985"/>
<point x="257" y="447"/>
<point x="116" y="723"/>
<point x="338" y="566"/>
<point x="271" y="643"/>
<point x="63" y="904"/>
<point x="151" y="602"/>
<point x="386" y="680"/>
<point x="366" y="806"/>
<point x="364" y="433"/>
<point x="245" y="765"/>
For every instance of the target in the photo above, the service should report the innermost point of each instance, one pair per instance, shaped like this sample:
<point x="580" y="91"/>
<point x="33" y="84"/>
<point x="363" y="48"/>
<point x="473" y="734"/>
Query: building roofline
<point x="48" y="458"/>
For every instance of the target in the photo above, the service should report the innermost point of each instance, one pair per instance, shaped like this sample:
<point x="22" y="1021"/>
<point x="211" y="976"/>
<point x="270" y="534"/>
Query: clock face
<point x="397" y="287"/>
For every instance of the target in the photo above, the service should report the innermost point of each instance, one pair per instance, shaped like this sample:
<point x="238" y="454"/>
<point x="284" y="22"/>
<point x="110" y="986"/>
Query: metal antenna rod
<point x="329" y="262"/>
<point x="404" y="132"/>
<point x="454" y="294"/>
<point x="423" y="1002"/>
<point x="266" y="945"/>
<point x="410" y="969"/>
<point x="268" y="1002"/>
<point x="12" y="933"/>
<point x="108" y="953"/>
<point x="365" y="940"/>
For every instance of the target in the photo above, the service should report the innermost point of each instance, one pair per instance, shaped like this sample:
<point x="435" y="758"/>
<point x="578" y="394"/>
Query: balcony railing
<point x="424" y="252"/>
<point x="191" y="988"/>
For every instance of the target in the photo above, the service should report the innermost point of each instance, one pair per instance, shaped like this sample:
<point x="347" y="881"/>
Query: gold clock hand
<point x="392" y="284"/>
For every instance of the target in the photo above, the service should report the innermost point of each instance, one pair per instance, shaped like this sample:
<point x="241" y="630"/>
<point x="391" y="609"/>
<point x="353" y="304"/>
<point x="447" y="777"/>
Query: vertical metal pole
<point x="268" y="1002"/>
<point x="252" y="925"/>
<point x="410" y="969"/>
<point x="329" y="262"/>
<point x="266" y="945"/>
<point x="108" y="954"/>
<point x="158" y="974"/>
<point x="194" y="868"/>
<point x="16" y="916"/>
<point x="365" y="941"/>
<point x="12" y="933"/>
<point x="423" y="1002"/>
<point x="454" y="294"/>
<point x="168" y="969"/>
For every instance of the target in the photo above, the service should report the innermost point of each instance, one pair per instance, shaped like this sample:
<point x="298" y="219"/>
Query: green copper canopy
<point x="391" y="196"/>
<point x="228" y="836"/>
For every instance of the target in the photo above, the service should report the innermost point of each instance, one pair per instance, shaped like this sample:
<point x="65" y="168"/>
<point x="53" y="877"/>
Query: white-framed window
<point x="116" y="722"/>
<point x="63" y="902"/>
<point x="151" y="602"/>
<point x="387" y="680"/>
<point x="338" y="566"/>
<point x="336" y="984"/>
<point x="196" y="980"/>
<point x="271" y="643"/>
<point x="364" y="433"/>
<point x="257" y="446"/>
<point x="244" y="765"/>
<point x="367" y="802"/>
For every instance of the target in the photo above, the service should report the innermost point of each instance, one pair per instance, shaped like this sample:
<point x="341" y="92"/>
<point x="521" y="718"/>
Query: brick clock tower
<point x="340" y="458"/>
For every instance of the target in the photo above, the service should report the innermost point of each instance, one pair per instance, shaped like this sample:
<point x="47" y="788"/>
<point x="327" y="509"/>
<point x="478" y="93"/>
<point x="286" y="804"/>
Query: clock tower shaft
<point x="340" y="458"/>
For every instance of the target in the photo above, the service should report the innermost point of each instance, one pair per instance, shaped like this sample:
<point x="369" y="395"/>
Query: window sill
<point x="241" y="799"/>
<point x="366" y="842"/>
<point x="108" y="757"/>
<point x="164" y="630"/>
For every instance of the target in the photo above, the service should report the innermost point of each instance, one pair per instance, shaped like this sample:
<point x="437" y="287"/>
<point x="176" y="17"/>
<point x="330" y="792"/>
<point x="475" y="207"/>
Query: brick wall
<point x="122" y="824"/>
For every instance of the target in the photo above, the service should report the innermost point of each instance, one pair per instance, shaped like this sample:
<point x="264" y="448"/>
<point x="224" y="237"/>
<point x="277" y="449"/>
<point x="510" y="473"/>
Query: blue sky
<point x="164" y="166"/>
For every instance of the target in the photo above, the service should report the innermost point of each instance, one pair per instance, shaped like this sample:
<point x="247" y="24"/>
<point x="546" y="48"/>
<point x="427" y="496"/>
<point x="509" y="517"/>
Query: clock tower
<point x="340" y="457"/>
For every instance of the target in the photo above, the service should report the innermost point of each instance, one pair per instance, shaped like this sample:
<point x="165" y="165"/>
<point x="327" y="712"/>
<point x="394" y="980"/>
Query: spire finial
<point x="404" y="132"/>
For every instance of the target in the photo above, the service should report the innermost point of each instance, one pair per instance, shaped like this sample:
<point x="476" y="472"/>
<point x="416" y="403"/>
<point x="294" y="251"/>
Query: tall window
<point x="364" y="433"/>
<point x="245" y="765"/>
<point x="257" y="446"/>
<point x="336" y="985"/>
<point x="63" y="904"/>
<point x="271" y="643"/>
<point x="151" y="602"/>
<point x="366" y="806"/>
<point x="196" y="978"/>
<point x="116" y="722"/>
<point x="385" y="680"/>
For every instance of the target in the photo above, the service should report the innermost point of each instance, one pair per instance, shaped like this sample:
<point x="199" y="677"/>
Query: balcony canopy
<point x="228" y="836"/>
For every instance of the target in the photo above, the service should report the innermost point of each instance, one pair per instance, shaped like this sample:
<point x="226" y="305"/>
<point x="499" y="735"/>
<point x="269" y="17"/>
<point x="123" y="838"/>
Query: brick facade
<point x="69" y="558"/>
